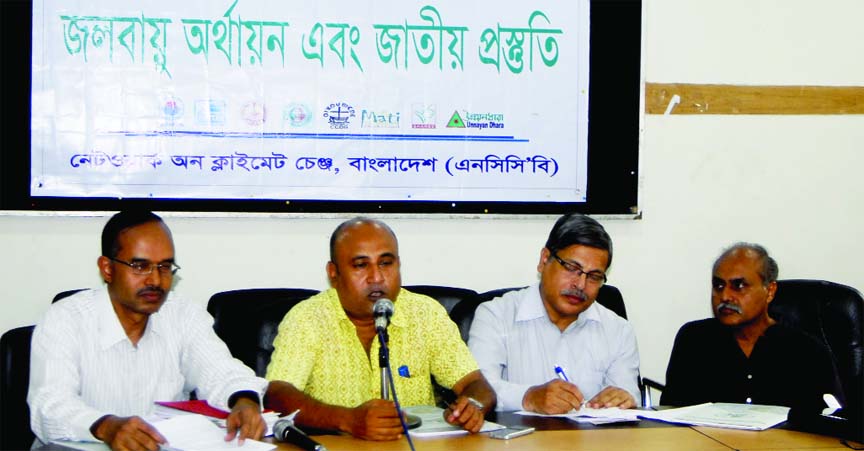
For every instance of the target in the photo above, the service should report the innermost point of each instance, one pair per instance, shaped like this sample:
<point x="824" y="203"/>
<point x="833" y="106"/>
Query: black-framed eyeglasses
<point x="595" y="277"/>
<point x="143" y="268"/>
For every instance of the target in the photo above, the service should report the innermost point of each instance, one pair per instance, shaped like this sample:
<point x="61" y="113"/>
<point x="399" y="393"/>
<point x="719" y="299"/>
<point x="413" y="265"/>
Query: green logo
<point x="456" y="121"/>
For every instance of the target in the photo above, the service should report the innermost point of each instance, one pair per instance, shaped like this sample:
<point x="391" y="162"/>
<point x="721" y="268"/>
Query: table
<point x="772" y="439"/>
<point x="554" y="435"/>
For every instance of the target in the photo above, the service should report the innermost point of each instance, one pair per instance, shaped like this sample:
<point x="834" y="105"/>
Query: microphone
<point x="285" y="431"/>
<point x="382" y="311"/>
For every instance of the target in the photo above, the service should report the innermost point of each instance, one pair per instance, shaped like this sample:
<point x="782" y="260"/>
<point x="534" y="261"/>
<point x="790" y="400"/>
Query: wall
<point x="788" y="182"/>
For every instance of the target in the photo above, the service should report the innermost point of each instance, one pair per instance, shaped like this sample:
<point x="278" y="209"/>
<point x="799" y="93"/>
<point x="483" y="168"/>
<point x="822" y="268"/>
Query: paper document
<point x="83" y="446"/>
<point x="724" y="415"/>
<point x="434" y="425"/>
<point x="197" y="433"/>
<point x="166" y="410"/>
<point x="593" y="416"/>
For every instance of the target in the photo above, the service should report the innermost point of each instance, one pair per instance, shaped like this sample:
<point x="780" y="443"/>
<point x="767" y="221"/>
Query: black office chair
<point x="14" y="382"/>
<point x="248" y="320"/>
<point x="66" y="294"/>
<point x="833" y="314"/>
<point x="449" y="297"/>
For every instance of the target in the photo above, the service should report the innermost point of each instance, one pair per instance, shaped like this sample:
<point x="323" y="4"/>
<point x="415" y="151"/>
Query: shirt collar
<point x="111" y="331"/>
<point x="531" y="308"/>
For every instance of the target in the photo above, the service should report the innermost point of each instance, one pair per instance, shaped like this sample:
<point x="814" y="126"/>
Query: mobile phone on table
<point x="511" y="432"/>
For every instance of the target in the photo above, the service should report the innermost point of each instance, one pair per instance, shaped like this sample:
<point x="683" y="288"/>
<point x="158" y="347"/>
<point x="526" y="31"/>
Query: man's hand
<point x="128" y="434"/>
<point x="245" y="418"/>
<point x="612" y="397"/>
<point x="375" y="419"/>
<point x="465" y="412"/>
<point x="553" y="397"/>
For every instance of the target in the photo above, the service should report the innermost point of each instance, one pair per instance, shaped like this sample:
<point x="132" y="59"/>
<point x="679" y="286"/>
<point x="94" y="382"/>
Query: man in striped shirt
<point x="100" y="358"/>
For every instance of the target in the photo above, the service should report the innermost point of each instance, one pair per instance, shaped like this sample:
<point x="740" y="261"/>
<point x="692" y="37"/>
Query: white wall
<point x="791" y="183"/>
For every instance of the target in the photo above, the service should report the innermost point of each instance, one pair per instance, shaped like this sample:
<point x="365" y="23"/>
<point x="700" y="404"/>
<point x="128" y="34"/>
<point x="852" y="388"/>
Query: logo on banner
<point x="172" y="110"/>
<point x="455" y="121"/>
<point x="424" y="116"/>
<point x="339" y="115"/>
<point x="379" y="119"/>
<point x="254" y="113"/>
<point x="210" y="112"/>
<point x="297" y="115"/>
<point x="478" y="120"/>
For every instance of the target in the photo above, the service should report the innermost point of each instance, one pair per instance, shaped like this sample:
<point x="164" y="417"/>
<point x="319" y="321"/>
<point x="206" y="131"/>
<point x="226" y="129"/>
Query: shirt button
<point x="749" y="376"/>
<point x="748" y="400"/>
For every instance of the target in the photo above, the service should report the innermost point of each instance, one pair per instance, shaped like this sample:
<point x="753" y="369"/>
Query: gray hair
<point x="769" y="271"/>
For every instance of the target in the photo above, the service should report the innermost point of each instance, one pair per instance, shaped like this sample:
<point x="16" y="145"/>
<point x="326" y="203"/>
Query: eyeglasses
<point x="595" y="277"/>
<point x="143" y="268"/>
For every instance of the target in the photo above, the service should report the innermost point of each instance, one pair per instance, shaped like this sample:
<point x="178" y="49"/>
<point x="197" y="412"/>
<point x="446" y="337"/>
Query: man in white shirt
<point x="550" y="348"/>
<point x="100" y="358"/>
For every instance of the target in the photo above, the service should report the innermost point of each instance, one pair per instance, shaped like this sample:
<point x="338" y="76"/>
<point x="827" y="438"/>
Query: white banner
<point x="331" y="100"/>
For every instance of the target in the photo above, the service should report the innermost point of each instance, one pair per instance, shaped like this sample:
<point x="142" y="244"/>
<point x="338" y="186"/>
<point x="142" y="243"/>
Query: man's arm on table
<point x="475" y="397"/>
<point x="375" y="419"/>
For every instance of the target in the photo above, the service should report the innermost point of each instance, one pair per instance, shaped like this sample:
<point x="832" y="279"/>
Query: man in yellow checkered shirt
<point x="325" y="357"/>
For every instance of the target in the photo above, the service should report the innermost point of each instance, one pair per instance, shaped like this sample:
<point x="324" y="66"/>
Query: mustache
<point x="574" y="292"/>
<point x="149" y="290"/>
<point x="730" y="306"/>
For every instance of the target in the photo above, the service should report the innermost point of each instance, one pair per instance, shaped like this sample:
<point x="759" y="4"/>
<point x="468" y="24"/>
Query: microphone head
<point x="382" y="310"/>
<point x="383" y="307"/>
<point x="280" y="427"/>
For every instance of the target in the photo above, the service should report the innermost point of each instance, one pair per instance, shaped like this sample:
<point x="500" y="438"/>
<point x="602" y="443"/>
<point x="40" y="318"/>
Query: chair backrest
<point x="834" y="314"/>
<point x="248" y="320"/>
<point x="66" y="294"/>
<point x="463" y="313"/>
<point x="449" y="297"/>
<point x="15" y="430"/>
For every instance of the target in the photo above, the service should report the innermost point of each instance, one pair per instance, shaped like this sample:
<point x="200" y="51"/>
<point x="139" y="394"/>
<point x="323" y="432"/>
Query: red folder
<point x="198" y="406"/>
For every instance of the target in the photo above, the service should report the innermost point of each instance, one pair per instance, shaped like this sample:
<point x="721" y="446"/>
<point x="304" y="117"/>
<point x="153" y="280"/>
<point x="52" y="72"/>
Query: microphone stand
<point x="410" y="421"/>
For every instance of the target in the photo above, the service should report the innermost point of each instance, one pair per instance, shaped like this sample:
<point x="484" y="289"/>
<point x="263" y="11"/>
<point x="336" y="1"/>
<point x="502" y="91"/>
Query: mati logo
<point x="339" y="115"/>
<point x="424" y="116"/>
<point x="254" y="113"/>
<point x="297" y="115"/>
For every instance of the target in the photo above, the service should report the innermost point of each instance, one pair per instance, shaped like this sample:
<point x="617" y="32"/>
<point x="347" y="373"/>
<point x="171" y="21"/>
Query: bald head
<point x="359" y="221"/>
<point x="768" y="270"/>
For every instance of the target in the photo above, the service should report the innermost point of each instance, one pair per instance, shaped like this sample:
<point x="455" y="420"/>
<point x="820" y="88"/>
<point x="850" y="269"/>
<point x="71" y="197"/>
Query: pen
<point x="561" y="374"/>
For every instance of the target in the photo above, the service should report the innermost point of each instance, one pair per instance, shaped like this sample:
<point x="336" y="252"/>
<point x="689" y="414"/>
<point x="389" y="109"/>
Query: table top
<point x="556" y="434"/>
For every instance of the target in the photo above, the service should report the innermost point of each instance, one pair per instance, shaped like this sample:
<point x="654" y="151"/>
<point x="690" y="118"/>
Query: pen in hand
<point x="561" y="375"/>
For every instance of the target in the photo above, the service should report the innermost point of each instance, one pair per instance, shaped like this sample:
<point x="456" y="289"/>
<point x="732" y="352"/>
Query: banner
<point x="336" y="100"/>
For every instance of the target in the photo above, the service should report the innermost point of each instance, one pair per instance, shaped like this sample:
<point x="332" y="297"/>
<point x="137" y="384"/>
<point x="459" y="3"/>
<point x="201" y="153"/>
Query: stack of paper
<point x="190" y="432"/>
<point x="434" y="425"/>
<point x="593" y="416"/>
<point x="724" y="415"/>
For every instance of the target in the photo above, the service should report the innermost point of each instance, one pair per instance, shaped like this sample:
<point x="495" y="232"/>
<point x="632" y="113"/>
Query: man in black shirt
<point x="742" y="355"/>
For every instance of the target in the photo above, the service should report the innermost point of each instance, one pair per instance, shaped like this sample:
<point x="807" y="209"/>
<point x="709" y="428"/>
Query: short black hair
<point x="340" y="230"/>
<point x="576" y="228"/>
<point x="769" y="272"/>
<point x="121" y="221"/>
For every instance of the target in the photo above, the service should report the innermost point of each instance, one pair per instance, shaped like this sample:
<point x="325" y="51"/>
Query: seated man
<point x="520" y="338"/>
<point x="102" y="357"/>
<point x="742" y="355"/>
<point x="325" y="361"/>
